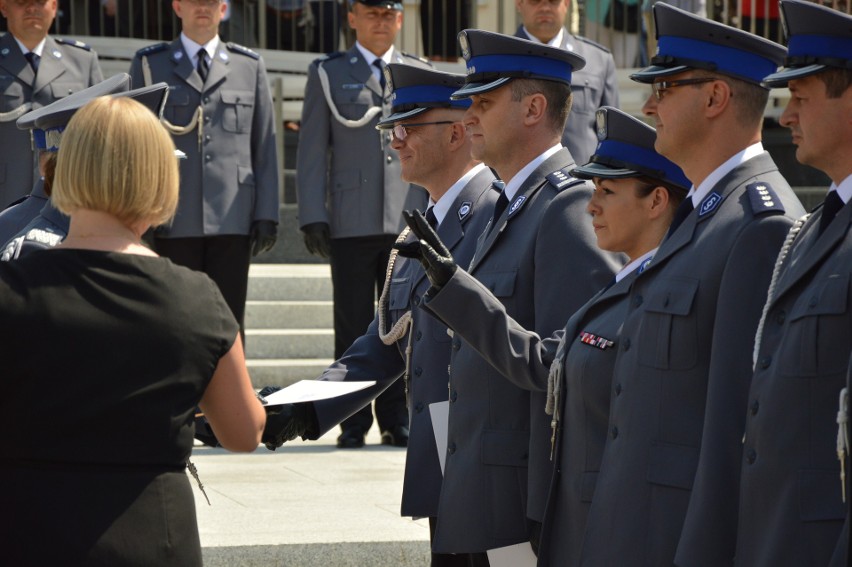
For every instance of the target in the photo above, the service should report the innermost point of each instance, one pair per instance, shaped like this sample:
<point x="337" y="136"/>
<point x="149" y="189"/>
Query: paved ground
<point x="306" y="504"/>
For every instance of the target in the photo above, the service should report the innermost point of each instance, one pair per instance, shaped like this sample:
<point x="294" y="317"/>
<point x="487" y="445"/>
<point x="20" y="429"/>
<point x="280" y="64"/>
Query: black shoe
<point x="396" y="436"/>
<point x="351" y="438"/>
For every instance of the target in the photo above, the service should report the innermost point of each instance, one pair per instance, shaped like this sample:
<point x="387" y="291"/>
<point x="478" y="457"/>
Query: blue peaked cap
<point x="818" y="38"/>
<point x="626" y="149"/>
<point x="494" y="59"/>
<point x="415" y="91"/>
<point x="686" y="41"/>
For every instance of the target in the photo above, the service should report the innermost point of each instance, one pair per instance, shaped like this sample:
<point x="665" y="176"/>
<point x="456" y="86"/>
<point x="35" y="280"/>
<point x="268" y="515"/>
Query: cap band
<point x="425" y="95"/>
<point x="809" y="49"/>
<point x="717" y="57"/>
<point x="505" y="65"/>
<point x="639" y="158"/>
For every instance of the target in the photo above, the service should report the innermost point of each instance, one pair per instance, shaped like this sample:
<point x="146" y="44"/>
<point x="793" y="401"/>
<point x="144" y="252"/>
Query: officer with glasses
<point x="668" y="484"/>
<point x="35" y="70"/>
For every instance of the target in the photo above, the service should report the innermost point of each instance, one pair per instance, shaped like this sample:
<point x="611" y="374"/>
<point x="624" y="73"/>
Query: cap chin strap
<point x="371" y="113"/>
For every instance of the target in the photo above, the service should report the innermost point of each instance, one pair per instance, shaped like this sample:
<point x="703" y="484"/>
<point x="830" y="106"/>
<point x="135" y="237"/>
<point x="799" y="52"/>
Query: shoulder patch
<point x="237" y="48"/>
<point x="763" y="198"/>
<point x="152" y="49"/>
<point x="560" y="179"/>
<point x="418" y="57"/>
<point x="592" y="43"/>
<point x="73" y="43"/>
<point x="329" y="56"/>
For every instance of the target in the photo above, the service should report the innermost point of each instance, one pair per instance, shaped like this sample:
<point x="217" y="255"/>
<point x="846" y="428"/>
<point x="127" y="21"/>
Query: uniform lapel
<point x="183" y="66"/>
<point x="51" y="66"/>
<point x="529" y="188"/>
<point x="360" y="71"/>
<point x="219" y="68"/>
<point x="816" y="248"/>
<point x="12" y="60"/>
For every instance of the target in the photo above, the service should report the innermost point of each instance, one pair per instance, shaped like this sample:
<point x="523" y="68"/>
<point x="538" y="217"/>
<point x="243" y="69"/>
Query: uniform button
<point x="206" y="99"/>
<point x="389" y="159"/>
<point x="625" y="344"/>
<point x="418" y="371"/>
<point x="456" y="345"/>
<point x="416" y="300"/>
<point x="418" y="336"/>
<point x="755" y="405"/>
<point x="614" y="432"/>
<point x="207" y="138"/>
<point x="765" y="361"/>
<point x="454" y="396"/>
<point x="208" y="157"/>
<point x="637" y="301"/>
<point x="418" y="407"/>
<point x="207" y="119"/>
<point x="813" y="302"/>
<point x="781" y="317"/>
<point x="451" y="448"/>
<point x="618" y="389"/>
<point x="751" y="456"/>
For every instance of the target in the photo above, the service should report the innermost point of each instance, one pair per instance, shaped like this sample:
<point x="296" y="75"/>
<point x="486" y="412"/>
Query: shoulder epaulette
<point x="328" y="56"/>
<point x="237" y="48"/>
<point x="73" y="43"/>
<point x="561" y="179"/>
<point x="763" y="198"/>
<point x="156" y="48"/>
<point x="15" y="202"/>
<point x="418" y="57"/>
<point x="593" y="43"/>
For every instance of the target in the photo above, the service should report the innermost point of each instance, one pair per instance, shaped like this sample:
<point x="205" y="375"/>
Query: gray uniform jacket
<point x="685" y="361"/>
<point x="20" y="213"/>
<point x="542" y="262"/>
<point x="791" y="511"/>
<point x="349" y="178"/>
<point x="66" y="66"/>
<point x="47" y="230"/>
<point x="370" y="359"/>
<point x="587" y="366"/>
<point x="230" y="175"/>
<point x="592" y="87"/>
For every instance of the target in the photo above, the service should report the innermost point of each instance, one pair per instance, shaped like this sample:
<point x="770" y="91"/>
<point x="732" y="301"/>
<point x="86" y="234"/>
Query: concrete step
<point x="343" y="554"/>
<point x="289" y="314"/>
<point x="289" y="282"/>
<point x="289" y="343"/>
<point x="283" y="372"/>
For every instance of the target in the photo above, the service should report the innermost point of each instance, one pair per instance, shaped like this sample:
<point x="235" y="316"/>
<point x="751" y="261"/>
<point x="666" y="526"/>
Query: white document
<point x="440" y="414"/>
<point x="518" y="555"/>
<point x="312" y="390"/>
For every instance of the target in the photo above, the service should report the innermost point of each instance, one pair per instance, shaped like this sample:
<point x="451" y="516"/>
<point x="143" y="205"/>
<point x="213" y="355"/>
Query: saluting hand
<point x="428" y="250"/>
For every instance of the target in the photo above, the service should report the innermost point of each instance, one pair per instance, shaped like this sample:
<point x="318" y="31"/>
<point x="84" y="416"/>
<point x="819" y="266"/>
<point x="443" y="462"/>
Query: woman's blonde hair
<point x="116" y="157"/>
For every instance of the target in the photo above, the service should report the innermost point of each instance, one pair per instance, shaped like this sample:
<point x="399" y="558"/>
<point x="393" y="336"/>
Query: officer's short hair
<point x="558" y="96"/>
<point x="749" y="99"/>
<point x="117" y="158"/>
<point x="836" y="81"/>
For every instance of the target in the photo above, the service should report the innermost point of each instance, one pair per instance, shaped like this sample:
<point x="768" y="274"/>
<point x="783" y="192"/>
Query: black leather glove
<point x="286" y="422"/>
<point x="264" y="234"/>
<point x="429" y="250"/>
<point x="317" y="239"/>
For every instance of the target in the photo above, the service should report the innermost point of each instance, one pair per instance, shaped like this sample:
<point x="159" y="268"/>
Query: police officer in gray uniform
<point x="350" y="193"/>
<point x="429" y="133"/>
<point x="791" y="488"/>
<point x="592" y="87"/>
<point x="50" y="226"/>
<point x="17" y="215"/>
<point x="539" y="257"/>
<point x="666" y="492"/>
<point x="219" y="111"/>
<point x="35" y="70"/>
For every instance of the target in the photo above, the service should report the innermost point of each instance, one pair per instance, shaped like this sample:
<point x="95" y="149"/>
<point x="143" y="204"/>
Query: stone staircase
<point x="289" y="331"/>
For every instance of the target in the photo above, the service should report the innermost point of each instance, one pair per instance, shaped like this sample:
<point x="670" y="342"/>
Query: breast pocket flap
<point x="399" y="295"/>
<point x="674" y="297"/>
<point x="501" y="284"/>
<point x="828" y="298"/>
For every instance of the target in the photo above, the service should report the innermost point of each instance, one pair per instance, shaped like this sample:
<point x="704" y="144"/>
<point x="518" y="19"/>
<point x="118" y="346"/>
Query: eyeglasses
<point x="538" y="2"/>
<point x="663" y="86"/>
<point x="209" y="3"/>
<point x="400" y="131"/>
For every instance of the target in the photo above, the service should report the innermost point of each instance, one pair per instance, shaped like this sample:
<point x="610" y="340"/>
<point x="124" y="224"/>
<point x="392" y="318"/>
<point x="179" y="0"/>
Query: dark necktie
<point x="833" y="203"/>
<point x="499" y="207"/>
<point x="431" y="218"/>
<point x="381" y="65"/>
<point x="33" y="59"/>
<point x="203" y="67"/>
<point x="680" y="215"/>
